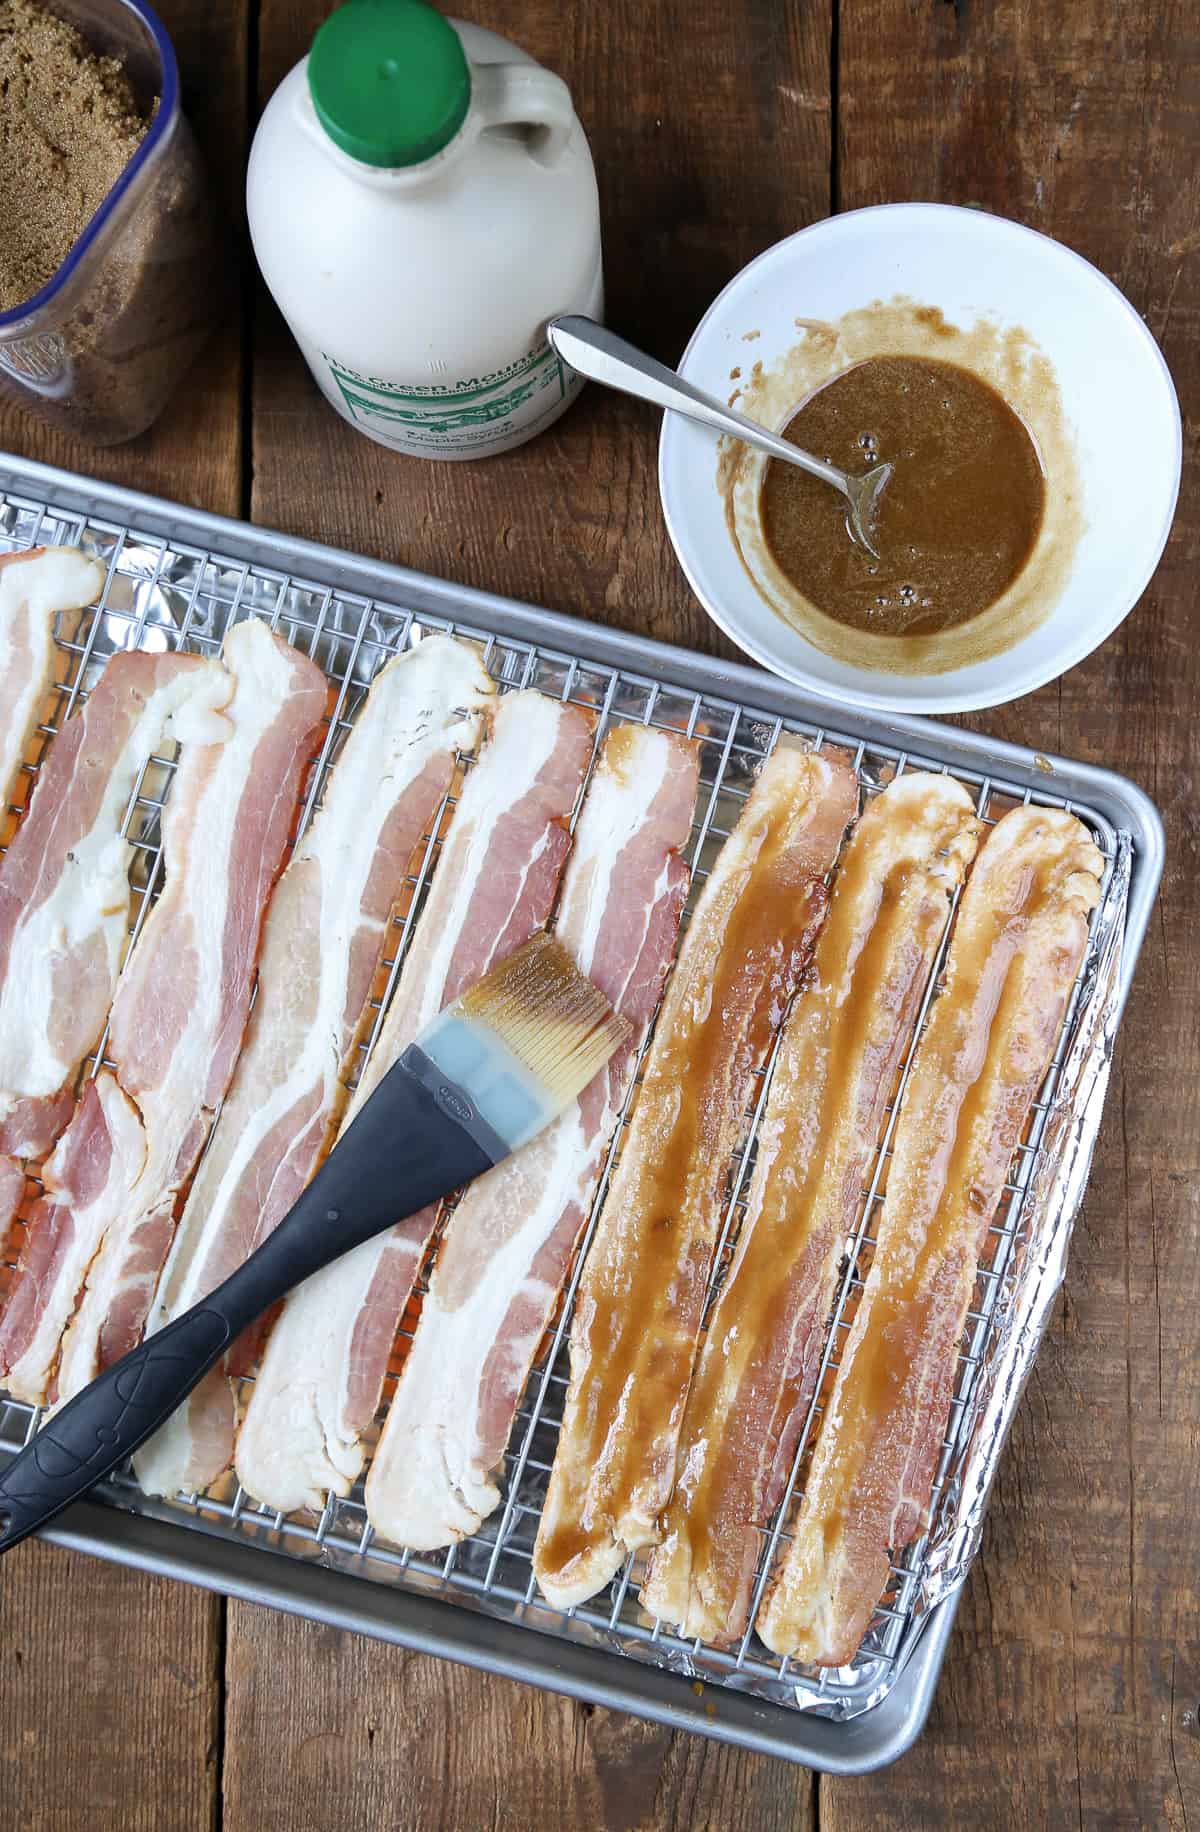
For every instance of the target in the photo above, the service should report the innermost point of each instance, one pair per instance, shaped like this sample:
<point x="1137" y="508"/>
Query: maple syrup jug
<point x="421" y="200"/>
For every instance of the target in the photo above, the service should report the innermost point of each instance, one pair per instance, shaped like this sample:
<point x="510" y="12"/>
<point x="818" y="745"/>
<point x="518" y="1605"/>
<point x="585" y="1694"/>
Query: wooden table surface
<point x="1072" y="1684"/>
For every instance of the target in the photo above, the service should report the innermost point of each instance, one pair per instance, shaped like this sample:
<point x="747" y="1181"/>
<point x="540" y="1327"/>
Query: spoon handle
<point x="604" y="357"/>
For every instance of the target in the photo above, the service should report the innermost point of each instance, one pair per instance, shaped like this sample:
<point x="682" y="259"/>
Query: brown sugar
<point x="69" y="125"/>
<point x="100" y="357"/>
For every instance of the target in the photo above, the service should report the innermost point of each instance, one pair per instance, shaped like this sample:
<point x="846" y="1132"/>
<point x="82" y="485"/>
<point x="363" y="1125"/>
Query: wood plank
<point x="330" y="1730"/>
<point x="109" y="1700"/>
<point x="1070" y="1689"/>
<point x="323" y="1729"/>
<point x="109" y="1705"/>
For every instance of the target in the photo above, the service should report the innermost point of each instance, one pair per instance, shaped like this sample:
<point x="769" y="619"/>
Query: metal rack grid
<point x="161" y="594"/>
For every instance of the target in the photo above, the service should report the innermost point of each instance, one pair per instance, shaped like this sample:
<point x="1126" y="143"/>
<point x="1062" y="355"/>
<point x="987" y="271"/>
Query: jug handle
<point x="525" y="95"/>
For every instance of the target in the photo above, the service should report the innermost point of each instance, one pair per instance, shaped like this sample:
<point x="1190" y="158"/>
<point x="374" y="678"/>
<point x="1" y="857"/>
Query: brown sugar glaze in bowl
<point x="1024" y="418"/>
<point x="956" y="522"/>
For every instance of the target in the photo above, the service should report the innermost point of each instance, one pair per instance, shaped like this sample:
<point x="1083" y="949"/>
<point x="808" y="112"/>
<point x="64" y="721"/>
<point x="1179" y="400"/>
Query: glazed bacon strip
<point x="641" y="1298"/>
<point x="322" y="944"/>
<point x="509" y="1244"/>
<point x="64" y="881"/>
<point x="34" y="587"/>
<point x="1014" y="957"/>
<point x="841" y="1050"/>
<point x="184" y="994"/>
<point x="322" y="1374"/>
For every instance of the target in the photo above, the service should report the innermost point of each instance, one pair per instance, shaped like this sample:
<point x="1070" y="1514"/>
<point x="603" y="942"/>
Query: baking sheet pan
<point x="179" y="575"/>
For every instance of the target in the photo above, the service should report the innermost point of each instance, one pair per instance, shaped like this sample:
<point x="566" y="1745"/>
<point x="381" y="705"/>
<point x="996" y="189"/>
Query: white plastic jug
<point x="421" y="199"/>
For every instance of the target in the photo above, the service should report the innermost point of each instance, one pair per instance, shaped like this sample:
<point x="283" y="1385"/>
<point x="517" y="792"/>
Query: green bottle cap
<point x="389" y="81"/>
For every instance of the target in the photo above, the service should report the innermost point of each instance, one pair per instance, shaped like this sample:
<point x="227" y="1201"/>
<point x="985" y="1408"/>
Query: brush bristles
<point x="560" y="1027"/>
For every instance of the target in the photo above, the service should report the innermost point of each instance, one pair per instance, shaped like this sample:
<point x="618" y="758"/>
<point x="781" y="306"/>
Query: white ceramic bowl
<point x="1116" y="394"/>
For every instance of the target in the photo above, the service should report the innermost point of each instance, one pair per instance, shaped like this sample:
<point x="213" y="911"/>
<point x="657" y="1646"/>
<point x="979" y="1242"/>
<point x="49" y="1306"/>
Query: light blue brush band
<point x="473" y="1058"/>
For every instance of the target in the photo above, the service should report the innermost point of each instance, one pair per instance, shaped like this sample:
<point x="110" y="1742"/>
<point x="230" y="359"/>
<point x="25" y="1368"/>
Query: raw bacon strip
<point x="318" y="1388"/>
<point x="641" y="1297"/>
<point x="840" y="1052"/>
<point x="509" y="1244"/>
<point x="1014" y="955"/>
<point x="64" y="882"/>
<point x="12" y="1189"/>
<point x="34" y="587"/>
<point x="89" y="1180"/>
<point x="322" y="943"/>
<point x="184" y="995"/>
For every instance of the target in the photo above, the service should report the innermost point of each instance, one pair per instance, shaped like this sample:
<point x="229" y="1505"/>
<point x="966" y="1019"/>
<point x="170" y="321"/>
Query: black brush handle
<point x="406" y="1148"/>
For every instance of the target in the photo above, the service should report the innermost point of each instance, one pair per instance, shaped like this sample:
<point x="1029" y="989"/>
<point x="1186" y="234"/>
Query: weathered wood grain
<point x="109" y="1698"/>
<point x="1072" y="1687"/>
<point x="1070" y="1690"/>
<point x="325" y="1730"/>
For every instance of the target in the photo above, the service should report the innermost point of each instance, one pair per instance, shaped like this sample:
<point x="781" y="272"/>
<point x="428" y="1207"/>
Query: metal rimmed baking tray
<point x="179" y="577"/>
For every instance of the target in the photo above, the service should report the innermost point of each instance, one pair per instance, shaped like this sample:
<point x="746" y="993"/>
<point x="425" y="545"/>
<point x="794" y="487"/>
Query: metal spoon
<point x="604" y="357"/>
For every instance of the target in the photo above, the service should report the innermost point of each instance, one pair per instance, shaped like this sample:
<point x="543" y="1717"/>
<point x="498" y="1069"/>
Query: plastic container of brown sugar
<point x="100" y="347"/>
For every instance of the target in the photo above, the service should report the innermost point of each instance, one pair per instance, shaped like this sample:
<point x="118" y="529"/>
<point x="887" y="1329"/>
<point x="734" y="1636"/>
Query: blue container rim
<point x="164" y="119"/>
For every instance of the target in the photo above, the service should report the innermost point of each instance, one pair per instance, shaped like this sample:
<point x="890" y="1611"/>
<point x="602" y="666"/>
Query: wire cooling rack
<point x="165" y="594"/>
